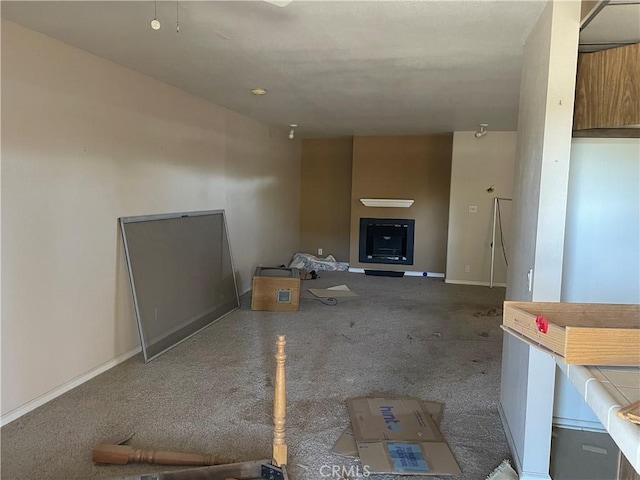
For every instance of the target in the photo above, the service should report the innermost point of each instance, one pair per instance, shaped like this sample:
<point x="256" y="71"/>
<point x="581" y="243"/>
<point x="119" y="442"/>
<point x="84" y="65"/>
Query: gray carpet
<point x="214" y="393"/>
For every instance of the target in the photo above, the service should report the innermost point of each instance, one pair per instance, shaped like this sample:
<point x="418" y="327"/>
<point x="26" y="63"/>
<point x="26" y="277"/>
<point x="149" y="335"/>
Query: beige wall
<point x="85" y="141"/>
<point x="479" y="164"/>
<point x="325" y="205"/>
<point x="411" y="167"/>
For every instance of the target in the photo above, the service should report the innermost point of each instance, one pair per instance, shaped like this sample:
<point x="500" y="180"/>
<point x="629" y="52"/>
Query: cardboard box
<point x="397" y="435"/>
<point x="276" y="289"/>
<point x="579" y="333"/>
<point x="346" y="445"/>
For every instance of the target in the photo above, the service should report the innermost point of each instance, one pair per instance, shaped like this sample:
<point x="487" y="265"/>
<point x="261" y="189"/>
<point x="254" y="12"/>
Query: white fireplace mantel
<point x="386" y="202"/>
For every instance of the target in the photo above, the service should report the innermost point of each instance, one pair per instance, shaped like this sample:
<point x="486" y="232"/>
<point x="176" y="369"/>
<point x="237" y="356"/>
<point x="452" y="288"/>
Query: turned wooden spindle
<point x="280" y="406"/>
<point x="124" y="454"/>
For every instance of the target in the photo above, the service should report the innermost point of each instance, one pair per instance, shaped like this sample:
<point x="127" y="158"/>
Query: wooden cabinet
<point x="608" y="89"/>
<point x="276" y="289"/>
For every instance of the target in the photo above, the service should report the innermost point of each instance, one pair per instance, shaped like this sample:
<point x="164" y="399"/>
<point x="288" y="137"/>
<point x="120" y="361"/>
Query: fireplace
<point x="386" y="240"/>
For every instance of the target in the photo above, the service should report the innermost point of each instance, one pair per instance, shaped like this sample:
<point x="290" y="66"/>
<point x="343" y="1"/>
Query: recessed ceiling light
<point x="155" y="24"/>
<point x="259" y="91"/>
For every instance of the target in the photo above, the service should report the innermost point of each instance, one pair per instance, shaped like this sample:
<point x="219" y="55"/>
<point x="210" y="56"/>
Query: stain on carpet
<point x="491" y="312"/>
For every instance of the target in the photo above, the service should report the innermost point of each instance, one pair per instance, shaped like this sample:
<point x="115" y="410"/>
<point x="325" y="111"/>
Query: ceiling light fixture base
<point x="482" y="130"/>
<point x="292" y="132"/>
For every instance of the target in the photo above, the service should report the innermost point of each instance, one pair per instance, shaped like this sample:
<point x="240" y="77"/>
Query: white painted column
<point x="540" y="196"/>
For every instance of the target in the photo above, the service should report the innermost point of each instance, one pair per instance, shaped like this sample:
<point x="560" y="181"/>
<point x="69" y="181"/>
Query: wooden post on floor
<point x="280" y="406"/>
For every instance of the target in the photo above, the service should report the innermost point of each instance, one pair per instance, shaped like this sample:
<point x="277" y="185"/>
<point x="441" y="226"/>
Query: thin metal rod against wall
<point x="496" y="209"/>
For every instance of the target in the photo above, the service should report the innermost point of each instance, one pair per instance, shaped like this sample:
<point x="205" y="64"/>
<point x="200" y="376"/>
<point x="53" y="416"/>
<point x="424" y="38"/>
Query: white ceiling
<point x="618" y="22"/>
<point x="335" y="68"/>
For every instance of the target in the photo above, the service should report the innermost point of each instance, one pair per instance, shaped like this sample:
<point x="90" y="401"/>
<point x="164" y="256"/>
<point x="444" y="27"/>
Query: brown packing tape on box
<point x="398" y="436"/>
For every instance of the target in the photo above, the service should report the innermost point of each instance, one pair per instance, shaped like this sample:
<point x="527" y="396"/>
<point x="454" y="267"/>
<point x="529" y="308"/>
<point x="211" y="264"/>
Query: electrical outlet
<point x="319" y="251"/>
<point x="467" y="268"/>
<point x="473" y="209"/>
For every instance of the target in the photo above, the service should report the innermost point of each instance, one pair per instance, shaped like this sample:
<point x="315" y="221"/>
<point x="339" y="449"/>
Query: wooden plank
<point x="602" y="346"/>
<point x="631" y="412"/>
<point x="238" y="471"/>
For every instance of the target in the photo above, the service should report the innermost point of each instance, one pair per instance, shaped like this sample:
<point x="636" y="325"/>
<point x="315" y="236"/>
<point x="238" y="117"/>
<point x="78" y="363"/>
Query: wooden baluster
<point x="124" y="454"/>
<point x="280" y="406"/>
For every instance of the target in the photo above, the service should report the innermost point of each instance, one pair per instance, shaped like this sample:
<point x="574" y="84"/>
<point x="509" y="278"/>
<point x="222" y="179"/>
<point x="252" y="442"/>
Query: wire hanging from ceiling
<point x="504" y="251"/>
<point x="177" y="17"/>
<point x="155" y="23"/>
<point x="497" y="222"/>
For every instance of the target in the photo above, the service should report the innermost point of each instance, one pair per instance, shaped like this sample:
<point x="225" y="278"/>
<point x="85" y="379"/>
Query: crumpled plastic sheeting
<point x="503" y="472"/>
<point x="306" y="262"/>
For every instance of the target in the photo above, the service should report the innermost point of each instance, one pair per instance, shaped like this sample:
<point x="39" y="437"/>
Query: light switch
<point x="473" y="209"/>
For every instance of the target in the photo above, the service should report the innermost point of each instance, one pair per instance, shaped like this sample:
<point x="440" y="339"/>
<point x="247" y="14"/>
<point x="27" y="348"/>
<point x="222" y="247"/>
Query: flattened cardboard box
<point x="397" y="435"/>
<point x="347" y="447"/>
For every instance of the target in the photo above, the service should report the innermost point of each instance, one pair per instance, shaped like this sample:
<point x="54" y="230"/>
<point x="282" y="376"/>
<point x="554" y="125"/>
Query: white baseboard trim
<point x="65" y="387"/>
<point x="425" y="274"/>
<point x="534" y="476"/>
<point x="471" y="282"/>
<point x="406" y="272"/>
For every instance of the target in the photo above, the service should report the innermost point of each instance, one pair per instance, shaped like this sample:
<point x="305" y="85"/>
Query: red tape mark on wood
<point x="543" y="324"/>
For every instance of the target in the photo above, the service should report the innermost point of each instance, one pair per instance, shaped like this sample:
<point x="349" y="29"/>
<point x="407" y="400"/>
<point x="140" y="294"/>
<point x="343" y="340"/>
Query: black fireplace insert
<point x="386" y="240"/>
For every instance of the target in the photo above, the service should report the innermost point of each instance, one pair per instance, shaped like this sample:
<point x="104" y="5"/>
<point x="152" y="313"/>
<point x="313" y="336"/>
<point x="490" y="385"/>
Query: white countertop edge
<point x="625" y="433"/>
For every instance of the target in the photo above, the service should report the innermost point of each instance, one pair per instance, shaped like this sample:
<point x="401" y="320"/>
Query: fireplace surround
<point x="386" y="240"/>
